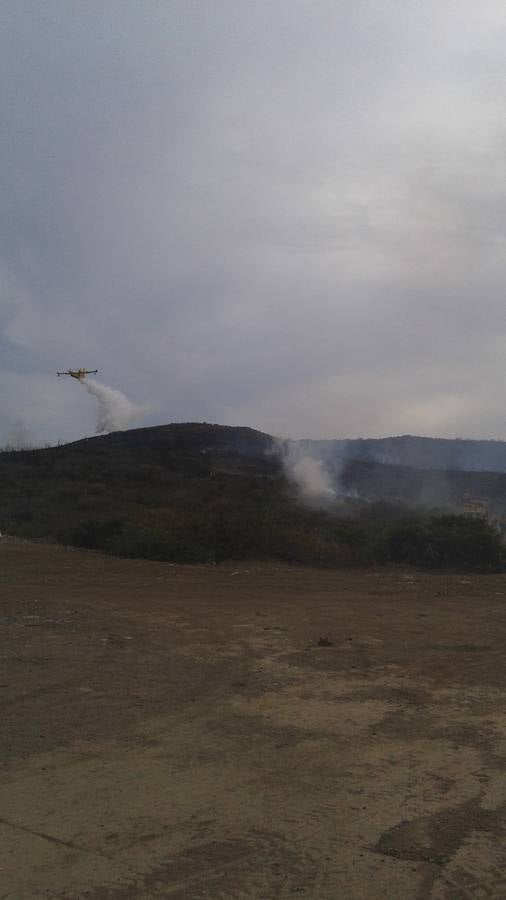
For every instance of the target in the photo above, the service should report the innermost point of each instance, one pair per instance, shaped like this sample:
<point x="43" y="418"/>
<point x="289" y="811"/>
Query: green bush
<point x="94" y="534"/>
<point x="444" y="540"/>
<point x="465" y="540"/>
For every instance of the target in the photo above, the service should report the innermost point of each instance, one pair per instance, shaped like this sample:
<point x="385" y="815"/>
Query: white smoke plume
<point x="115" y="411"/>
<point x="313" y="480"/>
<point x="18" y="437"/>
<point x="309" y="474"/>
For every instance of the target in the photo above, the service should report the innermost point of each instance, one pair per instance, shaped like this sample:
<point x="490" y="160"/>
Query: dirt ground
<point x="249" y="731"/>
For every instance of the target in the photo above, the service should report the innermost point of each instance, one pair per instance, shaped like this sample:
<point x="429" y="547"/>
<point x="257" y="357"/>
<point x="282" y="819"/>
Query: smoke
<point x="310" y="475"/>
<point x="115" y="411"/>
<point x="17" y="437"/>
<point x="313" y="480"/>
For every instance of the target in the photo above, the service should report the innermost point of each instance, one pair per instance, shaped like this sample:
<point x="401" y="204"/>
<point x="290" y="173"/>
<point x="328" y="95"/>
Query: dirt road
<point x="252" y="732"/>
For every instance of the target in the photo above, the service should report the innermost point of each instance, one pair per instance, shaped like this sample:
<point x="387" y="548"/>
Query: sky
<point x="289" y="215"/>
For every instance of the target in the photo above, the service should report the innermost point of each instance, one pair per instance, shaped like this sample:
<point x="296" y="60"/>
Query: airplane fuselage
<point x="78" y="373"/>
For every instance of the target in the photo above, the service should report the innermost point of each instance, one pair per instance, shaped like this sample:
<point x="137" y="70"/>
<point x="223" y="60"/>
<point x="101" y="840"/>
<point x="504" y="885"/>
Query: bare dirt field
<point x="248" y="731"/>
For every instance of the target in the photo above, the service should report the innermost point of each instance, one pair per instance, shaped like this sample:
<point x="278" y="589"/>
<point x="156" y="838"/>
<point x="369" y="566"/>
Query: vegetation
<point x="201" y="493"/>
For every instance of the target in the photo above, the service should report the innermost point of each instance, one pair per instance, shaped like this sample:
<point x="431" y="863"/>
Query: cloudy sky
<point x="289" y="214"/>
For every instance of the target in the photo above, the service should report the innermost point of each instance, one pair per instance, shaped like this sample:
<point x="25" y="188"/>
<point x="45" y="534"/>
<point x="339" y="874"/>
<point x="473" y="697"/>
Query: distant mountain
<point x="462" y="491"/>
<point x="198" y="492"/>
<point x="416" y="452"/>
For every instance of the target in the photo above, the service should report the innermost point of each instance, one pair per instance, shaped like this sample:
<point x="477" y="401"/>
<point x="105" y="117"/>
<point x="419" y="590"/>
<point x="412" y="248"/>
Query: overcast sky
<point x="289" y="214"/>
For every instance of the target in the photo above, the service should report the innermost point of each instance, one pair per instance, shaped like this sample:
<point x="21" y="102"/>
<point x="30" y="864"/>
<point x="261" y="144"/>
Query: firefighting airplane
<point x="78" y="373"/>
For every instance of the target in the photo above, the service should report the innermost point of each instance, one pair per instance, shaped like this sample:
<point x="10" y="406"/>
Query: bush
<point x="465" y="540"/>
<point x="94" y="534"/>
<point x="444" y="540"/>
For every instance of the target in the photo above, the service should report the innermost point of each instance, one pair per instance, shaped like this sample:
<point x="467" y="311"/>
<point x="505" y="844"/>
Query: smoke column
<point x="310" y="475"/>
<point x="115" y="411"/>
<point x="312" y="480"/>
<point x="18" y="437"/>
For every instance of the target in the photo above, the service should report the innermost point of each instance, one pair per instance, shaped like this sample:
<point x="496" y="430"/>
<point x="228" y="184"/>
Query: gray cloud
<point x="287" y="215"/>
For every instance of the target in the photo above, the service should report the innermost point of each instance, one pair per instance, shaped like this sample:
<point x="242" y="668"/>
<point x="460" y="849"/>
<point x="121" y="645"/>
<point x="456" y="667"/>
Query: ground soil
<point x="248" y="732"/>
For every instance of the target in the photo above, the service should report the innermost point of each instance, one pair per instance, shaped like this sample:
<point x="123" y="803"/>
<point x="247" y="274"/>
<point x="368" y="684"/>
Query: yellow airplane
<point x="78" y="373"/>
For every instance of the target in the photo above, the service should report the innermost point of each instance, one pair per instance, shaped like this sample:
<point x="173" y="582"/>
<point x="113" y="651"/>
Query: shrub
<point x="95" y="534"/>
<point x="444" y="540"/>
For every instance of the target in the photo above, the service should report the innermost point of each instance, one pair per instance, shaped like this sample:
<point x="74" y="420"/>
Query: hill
<point x="199" y="492"/>
<point x="459" y="491"/>
<point x="416" y="452"/>
<point x="137" y="492"/>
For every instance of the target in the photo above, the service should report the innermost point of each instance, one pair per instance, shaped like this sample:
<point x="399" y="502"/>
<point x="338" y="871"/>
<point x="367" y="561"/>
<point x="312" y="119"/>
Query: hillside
<point x="150" y="481"/>
<point x="198" y="492"/>
<point x="459" y="491"/>
<point x="415" y="452"/>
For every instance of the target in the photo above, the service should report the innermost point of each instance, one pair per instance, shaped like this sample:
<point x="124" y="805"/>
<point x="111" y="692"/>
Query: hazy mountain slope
<point x="416" y="452"/>
<point x="426" y="488"/>
<point x="167" y="465"/>
<point x="197" y="492"/>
